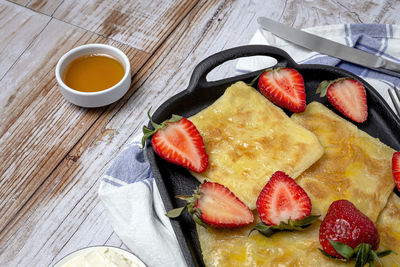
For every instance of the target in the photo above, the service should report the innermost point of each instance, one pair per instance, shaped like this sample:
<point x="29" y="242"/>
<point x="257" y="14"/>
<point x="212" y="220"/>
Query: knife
<point x="330" y="48"/>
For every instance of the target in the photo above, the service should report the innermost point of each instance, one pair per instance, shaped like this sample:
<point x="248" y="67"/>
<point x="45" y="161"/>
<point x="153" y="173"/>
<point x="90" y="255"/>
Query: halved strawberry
<point x="284" y="87"/>
<point x="283" y="205"/>
<point x="178" y="141"/>
<point x="282" y="199"/>
<point x="396" y="168"/>
<point x="348" y="96"/>
<point x="214" y="205"/>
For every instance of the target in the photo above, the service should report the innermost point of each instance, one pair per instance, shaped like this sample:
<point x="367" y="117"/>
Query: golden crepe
<point x="247" y="139"/>
<point x="233" y="247"/>
<point x="389" y="231"/>
<point x="355" y="166"/>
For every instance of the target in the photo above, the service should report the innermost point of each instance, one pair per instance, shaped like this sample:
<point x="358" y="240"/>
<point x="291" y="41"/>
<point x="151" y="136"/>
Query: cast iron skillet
<point x="173" y="180"/>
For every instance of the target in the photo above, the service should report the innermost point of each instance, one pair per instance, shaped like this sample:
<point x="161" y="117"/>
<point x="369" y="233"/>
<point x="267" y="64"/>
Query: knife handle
<point x="204" y="67"/>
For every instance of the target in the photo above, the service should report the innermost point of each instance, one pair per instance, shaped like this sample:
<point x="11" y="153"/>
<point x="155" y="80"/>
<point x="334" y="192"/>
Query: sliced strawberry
<point x="396" y="168"/>
<point x="178" y="141"/>
<point x="215" y="205"/>
<point x="284" y="87"/>
<point x="219" y="207"/>
<point x="348" y="96"/>
<point x="282" y="200"/>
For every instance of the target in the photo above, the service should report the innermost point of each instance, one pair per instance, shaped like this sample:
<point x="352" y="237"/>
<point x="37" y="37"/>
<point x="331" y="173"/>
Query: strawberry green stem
<point x="324" y="85"/>
<point x="147" y="133"/>
<point x="297" y="225"/>
<point x="362" y="254"/>
<point x="255" y="79"/>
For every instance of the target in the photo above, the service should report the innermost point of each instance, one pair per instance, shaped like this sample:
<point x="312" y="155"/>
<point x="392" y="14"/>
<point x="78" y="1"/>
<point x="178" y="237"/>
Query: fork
<point x="395" y="102"/>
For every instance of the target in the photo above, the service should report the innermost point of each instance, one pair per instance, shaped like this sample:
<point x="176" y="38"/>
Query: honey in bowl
<point x="93" y="73"/>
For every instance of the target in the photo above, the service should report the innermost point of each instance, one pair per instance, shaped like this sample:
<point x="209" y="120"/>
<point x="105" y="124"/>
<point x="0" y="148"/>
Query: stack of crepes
<point x="248" y="138"/>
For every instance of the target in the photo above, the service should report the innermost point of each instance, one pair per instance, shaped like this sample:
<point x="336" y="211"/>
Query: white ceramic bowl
<point x="84" y="251"/>
<point x="100" y="98"/>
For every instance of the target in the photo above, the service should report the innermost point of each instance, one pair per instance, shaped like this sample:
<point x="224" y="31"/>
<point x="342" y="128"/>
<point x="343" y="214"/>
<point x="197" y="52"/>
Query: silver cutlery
<point x="328" y="47"/>
<point x="394" y="100"/>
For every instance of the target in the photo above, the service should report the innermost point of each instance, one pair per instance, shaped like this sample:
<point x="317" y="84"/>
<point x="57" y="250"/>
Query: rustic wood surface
<point x="53" y="154"/>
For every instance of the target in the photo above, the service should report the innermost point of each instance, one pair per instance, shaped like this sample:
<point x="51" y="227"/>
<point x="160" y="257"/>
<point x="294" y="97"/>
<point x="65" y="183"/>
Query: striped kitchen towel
<point x="135" y="209"/>
<point x="378" y="39"/>
<point x="128" y="190"/>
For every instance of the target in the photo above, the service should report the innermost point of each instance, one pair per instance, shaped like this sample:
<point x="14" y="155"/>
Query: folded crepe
<point x="233" y="247"/>
<point x="355" y="166"/>
<point x="247" y="139"/>
<point x="388" y="225"/>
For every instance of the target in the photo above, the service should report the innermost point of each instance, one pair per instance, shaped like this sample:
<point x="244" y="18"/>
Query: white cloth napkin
<point x="136" y="211"/>
<point x="128" y="190"/>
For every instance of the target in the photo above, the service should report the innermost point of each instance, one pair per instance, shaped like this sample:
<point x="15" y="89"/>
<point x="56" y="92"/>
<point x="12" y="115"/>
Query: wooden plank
<point x="20" y="140"/>
<point x="141" y="24"/>
<point x="20" y="2"/>
<point x="19" y="26"/>
<point x="32" y="77"/>
<point x="69" y="194"/>
<point x="40" y="126"/>
<point x="44" y="6"/>
<point x="303" y="14"/>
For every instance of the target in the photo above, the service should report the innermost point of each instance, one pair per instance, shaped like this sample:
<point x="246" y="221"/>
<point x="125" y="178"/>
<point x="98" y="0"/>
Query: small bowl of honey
<point x="93" y="75"/>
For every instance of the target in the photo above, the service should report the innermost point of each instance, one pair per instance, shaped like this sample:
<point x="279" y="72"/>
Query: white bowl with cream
<point x="100" y="256"/>
<point x="99" y="98"/>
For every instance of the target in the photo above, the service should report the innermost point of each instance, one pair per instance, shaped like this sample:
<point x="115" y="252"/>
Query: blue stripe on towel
<point x="111" y="182"/>
<point x="148" y="182"/>
<point x="372" y="30"/>
<point x="130" y="166"/>
<point x="347" y="35"/>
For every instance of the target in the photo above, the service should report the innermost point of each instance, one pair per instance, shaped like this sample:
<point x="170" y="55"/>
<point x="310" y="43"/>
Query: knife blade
<point x="330" y="48"/>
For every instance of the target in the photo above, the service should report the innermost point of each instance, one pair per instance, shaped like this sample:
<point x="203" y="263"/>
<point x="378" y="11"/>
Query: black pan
<point x="173" y="180"/>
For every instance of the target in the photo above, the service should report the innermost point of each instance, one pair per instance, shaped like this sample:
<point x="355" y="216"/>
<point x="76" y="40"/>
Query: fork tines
<point x="395" y="102"/>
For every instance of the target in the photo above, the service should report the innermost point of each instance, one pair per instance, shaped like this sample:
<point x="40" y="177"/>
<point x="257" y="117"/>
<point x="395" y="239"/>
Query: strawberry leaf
<point x="324" y="85"/>
<point x="385" y="253"/>
<point x="372" y="263"/>
<point x="175" y="213"/>
<point x="187" y="198"/>
<point x="344" y="250"/>
<point x="323" y="88"/>
<point x="374" y="258"/>
<point x="147" y="133"/>
<point x="256" y="78"/>
<point x="197" y="218"/>
<point x="298" y="225"/>
<point x="326" y="254"/>
<point x="307" y="221"/>
<point x="364" y="251"/>
<point x="264" y="229"/>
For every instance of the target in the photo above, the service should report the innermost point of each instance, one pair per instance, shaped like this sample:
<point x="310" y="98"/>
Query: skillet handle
<point x="208" y="64"/>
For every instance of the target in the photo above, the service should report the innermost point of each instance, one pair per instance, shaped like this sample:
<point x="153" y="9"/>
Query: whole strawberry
<point x="347" y="233"/>
<point x="213" y="204"/>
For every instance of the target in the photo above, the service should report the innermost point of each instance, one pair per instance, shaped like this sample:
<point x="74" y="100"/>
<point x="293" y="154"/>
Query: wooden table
<point x="53" y="154"/>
